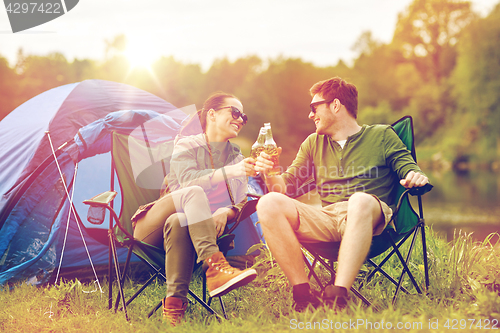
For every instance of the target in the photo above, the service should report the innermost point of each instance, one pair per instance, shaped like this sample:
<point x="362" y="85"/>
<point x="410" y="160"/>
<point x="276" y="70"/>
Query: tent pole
<point x="110" y="271"/>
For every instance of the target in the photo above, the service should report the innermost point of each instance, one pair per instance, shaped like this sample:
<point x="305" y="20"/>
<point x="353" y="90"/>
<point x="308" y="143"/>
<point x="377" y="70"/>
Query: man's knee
<point x="270" y="203"/>
<point x="365" y="203"/>
<point x="274" y="208"/>
<point x="363" y="200"/>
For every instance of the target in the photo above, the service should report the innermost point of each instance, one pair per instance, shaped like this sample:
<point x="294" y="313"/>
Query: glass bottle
<point x="258" y="146"/>
<point x="271" y="149"/>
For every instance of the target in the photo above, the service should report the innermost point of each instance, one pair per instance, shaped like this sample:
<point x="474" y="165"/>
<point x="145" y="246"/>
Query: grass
<point x="465" y="287"/>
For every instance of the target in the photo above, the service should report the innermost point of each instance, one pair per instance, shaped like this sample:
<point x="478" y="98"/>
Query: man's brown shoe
<point x="173" y="310"/>
<point x="335" y="297"/>
<point x="222" y="278"/>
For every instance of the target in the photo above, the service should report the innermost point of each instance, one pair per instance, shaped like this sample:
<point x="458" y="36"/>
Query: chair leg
<point x="117" y="271"/>
<point x="332" y="272"/>
<point x="312" y="272"/>
<point x="205" y="305"/>
<point x="144" y="286"/>
<point x="223" y="307"/>
<point x="424" y="254"/>
<point x="310" y="265"/>
<point x="405" y="267"/>
<point x="378" y="268"/>
<point x="110" y="273"/>
<point x="424" y="243"/>
<point x="154" y="310"/>
<point x="125" y="268"/>
<point x="204" y="282"/>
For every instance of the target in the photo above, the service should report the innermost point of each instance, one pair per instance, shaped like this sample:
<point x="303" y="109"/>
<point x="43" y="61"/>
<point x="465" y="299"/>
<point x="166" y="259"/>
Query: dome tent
<point x="76" y="120"/>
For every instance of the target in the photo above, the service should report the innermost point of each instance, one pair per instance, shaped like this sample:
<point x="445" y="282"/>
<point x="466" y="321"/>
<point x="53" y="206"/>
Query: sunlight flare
<point x="140" y="53"/>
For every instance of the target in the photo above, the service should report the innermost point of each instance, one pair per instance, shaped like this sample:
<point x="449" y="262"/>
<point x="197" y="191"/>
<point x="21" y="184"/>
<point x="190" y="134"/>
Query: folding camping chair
<point x="136" y="192"/>
<point x="408" y="224"/>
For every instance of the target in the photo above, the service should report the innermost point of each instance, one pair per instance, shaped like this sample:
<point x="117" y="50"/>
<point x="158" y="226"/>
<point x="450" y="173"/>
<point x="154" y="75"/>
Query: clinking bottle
<point x="258" y="146"/>
<point x="271" y="149"/>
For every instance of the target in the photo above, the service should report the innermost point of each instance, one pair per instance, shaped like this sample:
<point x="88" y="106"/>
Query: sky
<point x="200" y="31"/>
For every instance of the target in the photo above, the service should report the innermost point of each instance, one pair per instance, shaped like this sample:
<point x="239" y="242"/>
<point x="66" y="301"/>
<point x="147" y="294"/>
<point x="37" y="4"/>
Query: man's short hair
<point x="335" y="87"/>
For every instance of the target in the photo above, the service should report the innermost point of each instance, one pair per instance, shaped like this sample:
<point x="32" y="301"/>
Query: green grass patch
<point x="463" y="297"/>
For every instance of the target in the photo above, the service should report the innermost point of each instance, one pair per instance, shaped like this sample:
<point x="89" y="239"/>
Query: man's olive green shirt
<point x="371" y="161"/>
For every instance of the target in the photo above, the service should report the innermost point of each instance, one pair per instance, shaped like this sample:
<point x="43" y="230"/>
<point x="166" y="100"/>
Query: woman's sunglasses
<point x="236" y="113"/>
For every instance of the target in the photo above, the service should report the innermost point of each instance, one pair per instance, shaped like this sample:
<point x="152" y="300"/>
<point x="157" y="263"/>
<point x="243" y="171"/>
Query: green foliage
<point x="8" y="93"/>
<point x="442" y="67"/>
<point x="427" y="33"/>
<point x="477" y="86"/>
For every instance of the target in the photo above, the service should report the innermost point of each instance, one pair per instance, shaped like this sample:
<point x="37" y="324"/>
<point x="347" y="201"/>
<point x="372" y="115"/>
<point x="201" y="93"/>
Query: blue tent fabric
<point x="124" y="122"/>
<point x="30" y="232"/>
<point x="34" y="208"/>
<point x="62" y="111"/>
<point x="29" y="130"/>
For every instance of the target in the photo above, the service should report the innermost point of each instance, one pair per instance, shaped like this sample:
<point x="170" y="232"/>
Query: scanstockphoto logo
<point x="25" y="14"/>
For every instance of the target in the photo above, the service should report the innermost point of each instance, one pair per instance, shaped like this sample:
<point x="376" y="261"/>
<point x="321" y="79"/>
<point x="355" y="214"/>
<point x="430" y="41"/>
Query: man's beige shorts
<point x="327" y="224"/>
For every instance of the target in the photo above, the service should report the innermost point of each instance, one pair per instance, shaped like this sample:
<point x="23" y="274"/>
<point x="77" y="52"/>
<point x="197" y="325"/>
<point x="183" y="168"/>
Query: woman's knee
<point x="193" y="193"/>
<point x="193" y="190"/>
<point x="175" y="224"/>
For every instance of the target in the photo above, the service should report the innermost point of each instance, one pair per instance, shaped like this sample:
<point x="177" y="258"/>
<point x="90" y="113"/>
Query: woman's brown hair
<point x="214" y="101"/>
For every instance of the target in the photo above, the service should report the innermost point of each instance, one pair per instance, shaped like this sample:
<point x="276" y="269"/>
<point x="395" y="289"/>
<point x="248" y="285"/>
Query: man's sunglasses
<point x="236" y="113"/>
<point x="314" y="105"/>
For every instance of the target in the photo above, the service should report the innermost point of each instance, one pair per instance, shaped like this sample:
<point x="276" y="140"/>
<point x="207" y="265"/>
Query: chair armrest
<point x="98" y="205"/>
<point x="248" y="209"/>
<point x="101" y="200"/>
<point x="421" y="190"/>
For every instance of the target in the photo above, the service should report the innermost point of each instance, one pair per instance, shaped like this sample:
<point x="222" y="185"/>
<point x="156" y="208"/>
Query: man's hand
<point x="220" y="218"/>
<point x="263" y="163"/>
<point x="414" y="179"/>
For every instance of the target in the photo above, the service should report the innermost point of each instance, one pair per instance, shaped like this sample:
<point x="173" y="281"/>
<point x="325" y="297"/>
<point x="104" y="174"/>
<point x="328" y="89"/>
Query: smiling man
<point x="355" y="168"/>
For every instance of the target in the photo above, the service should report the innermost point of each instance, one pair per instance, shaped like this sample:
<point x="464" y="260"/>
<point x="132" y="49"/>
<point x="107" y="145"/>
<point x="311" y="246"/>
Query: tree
<point x="178" y="83"/>
<point x="8" y="88"/>
<point x="374" y="73"/>
<point x="230" y="76"/>
<point x="280" y="95"/>
<point x="477" y="86"/>
<point x="37" y="74"/>
<point x="427" y="33"/>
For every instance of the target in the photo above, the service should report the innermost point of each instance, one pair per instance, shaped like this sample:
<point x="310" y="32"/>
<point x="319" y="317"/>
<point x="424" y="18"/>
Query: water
<point x="468" y="202"/>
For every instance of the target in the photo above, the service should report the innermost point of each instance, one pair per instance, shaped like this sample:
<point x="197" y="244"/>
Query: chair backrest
<point x="138" y="187"/>
<point x="407" y="218"/>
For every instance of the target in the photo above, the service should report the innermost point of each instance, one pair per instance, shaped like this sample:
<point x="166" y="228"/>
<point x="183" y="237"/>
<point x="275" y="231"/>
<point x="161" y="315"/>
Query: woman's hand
<point x="221" y="216"/>
<point x="244" y="168"/>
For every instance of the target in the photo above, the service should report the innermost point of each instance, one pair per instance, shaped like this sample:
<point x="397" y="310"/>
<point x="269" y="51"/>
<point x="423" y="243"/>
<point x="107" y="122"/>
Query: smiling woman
<point x="204" y="190"/>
